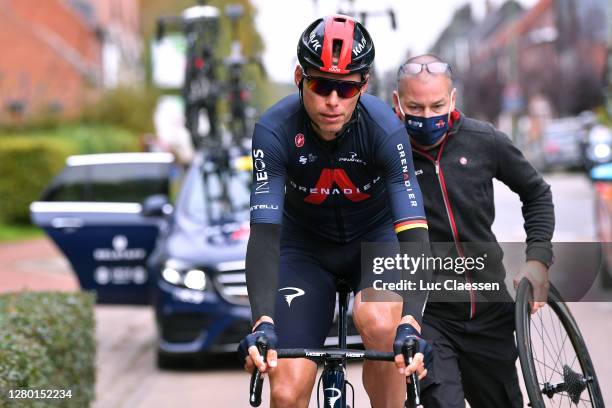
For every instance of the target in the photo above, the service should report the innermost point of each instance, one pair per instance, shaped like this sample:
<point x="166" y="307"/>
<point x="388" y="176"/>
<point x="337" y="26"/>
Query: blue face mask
<point x="427" y="131"/>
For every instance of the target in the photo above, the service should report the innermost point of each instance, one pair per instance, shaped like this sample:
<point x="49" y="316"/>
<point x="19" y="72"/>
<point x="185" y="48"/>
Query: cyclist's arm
<point x="267" y="199"/>
<point x="538" y="210"/>
<point x="407" y="207"/>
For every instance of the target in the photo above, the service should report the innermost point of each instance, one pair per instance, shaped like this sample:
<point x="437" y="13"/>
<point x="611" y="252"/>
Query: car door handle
<point x="66" y="223"/>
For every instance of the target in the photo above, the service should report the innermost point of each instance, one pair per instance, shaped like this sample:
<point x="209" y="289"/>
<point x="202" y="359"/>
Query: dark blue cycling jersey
<point x="339" y="190"/>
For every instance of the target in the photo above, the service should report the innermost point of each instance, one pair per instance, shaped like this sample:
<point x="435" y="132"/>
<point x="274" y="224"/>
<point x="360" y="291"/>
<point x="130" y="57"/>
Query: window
<point x="206" y="201"/>
<point x="113" y="182"/>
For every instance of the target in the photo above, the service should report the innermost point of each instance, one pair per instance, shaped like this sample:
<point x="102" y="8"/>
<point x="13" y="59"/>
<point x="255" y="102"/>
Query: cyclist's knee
<point x="284" y="396"/>
<point x="377" y="322"/>
<point x="291" y="383"/>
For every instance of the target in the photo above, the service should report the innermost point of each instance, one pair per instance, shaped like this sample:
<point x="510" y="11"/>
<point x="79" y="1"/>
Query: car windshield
<point x="218" y="195"/>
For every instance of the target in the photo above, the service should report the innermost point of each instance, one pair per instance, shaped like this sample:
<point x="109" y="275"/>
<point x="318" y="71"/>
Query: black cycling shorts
<point x="309" y="269"/>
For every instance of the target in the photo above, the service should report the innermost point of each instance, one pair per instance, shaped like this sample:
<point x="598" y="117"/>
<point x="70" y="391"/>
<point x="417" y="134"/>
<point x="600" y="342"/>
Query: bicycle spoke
<point x="574" y="362"/>
<point x="547" y="366"/>
<point x="543" y="344"/>
<point x="561" y="331"/>
<point x="553" y="326"/>
<point x="559" y="355"/>
<point x="564" y="331"/>
<point x="552" y="355"/>
<point x="559" y="351"/>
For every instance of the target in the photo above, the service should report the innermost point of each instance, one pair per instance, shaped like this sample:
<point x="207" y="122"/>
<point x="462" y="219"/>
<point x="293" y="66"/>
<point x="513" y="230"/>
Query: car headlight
<point x="180" y="273"/>
<point x="601" y="151"/>
<point x="172" y="275"/>
<point x="195" y="279"/>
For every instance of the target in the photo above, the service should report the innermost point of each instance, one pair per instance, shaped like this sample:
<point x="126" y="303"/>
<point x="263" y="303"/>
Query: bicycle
<point x="241" y="112"/>
<point x="332" y="380"/>
<point x="555" y="381"/>
<point x="201" y="89"/>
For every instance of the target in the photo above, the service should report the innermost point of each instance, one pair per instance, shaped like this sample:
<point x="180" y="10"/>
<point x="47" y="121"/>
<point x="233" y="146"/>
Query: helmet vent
<point x="336" y="49"/>
<point x="340" y="19"/>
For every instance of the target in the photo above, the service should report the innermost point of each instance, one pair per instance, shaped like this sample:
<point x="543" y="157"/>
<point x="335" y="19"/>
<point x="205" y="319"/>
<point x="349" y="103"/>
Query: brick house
<point x="59" y="54"/>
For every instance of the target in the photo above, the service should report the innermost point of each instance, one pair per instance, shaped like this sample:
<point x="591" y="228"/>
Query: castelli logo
<point x="299" y="140"/>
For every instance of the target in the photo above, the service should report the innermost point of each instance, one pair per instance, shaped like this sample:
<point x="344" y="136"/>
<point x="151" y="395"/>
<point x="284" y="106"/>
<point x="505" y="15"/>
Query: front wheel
<point x="555" y="362"/>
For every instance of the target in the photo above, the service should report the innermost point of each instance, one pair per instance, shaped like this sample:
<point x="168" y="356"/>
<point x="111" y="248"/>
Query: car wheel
<point x="168" y="361"/>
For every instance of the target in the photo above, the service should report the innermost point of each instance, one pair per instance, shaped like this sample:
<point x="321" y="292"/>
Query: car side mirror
<point x="156" y="206"/>
<point x="603" y="172"/>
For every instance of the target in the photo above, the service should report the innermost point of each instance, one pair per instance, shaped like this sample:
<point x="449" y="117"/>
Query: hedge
<point x="47" y="342"/>
<point x="27" y="166"/>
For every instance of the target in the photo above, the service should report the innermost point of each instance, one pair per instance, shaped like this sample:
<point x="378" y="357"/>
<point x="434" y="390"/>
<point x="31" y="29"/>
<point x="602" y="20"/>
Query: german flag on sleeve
<point x="406" y="225"/>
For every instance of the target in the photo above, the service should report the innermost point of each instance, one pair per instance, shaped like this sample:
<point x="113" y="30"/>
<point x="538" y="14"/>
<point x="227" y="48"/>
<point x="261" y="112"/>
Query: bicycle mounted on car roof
<point x="202" y="87"/>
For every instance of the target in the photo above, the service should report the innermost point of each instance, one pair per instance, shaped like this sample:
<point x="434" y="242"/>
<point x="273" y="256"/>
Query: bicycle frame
<point x="334" y="370"/>
<point x="333" y="378"/>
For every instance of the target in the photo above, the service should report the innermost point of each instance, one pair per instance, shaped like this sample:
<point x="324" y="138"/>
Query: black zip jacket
<point x="456" y="181"/>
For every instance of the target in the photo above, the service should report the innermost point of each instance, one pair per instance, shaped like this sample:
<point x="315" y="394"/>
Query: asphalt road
<point x="127" y="376"/>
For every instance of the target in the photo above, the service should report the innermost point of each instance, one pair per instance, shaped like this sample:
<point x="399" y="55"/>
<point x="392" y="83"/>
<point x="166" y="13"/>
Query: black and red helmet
<point x="337" y="44"/>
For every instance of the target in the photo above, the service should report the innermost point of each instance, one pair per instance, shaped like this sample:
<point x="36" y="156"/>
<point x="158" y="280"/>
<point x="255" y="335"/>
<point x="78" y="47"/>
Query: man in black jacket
<point x="456" y="159"/>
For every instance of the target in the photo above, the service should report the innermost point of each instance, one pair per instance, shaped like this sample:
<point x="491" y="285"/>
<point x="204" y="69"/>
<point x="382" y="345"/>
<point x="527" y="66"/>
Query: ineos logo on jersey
<point x="406" y="175"/>
<point x="262" y="185"/>
<point x="289" y="298"/>
<point x="418" y="172"/>
<point x="332" y="400"/>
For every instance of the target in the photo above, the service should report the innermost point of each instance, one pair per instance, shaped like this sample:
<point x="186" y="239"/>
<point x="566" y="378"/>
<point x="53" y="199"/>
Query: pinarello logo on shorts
<point x="299" y="140"/>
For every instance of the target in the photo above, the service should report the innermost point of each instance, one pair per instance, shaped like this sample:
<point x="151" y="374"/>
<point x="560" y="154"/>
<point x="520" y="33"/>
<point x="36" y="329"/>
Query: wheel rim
<point x="556" y="366"/>
<point x="560" y="377"/>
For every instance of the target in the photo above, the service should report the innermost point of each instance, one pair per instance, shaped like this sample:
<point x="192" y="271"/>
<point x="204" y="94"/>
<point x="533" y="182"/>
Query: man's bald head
<point x="406" y="69"/>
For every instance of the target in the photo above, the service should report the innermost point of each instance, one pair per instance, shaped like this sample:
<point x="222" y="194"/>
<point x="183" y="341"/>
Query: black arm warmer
<point x="262" y="260"/>
<point x="415" y="304"/>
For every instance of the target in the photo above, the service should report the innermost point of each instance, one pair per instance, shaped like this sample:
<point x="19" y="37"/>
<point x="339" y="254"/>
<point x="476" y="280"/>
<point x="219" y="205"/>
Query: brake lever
<point x="412" y="388"/>
<point x="257" y="376"/>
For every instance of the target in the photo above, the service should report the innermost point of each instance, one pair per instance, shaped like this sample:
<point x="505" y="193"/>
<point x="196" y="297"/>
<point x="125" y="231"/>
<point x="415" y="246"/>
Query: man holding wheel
<point x="456" y="159"/>
<point x="331" y="169"/>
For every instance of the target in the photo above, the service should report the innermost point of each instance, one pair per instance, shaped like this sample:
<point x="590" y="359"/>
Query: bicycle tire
<point x="525" y="350"/>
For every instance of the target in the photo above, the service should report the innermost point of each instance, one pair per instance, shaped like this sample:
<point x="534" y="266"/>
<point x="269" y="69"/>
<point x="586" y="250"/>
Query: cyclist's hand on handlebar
<point x="249" y="354"/>
<point x="537" y="274"/>
<point x="423" y="356"/>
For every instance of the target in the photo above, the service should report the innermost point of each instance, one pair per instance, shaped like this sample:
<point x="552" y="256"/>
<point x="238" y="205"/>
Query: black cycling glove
<point x="405" y="332"/>
<point x="264" y="329"/>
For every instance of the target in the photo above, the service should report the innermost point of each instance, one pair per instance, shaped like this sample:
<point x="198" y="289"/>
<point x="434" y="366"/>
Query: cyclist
<point x="456" y="159"/>
<point x="327" y="161"/>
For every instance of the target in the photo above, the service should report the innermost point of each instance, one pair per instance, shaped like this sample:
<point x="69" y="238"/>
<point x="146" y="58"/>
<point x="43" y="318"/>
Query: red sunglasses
<point x="325" y="86"/>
